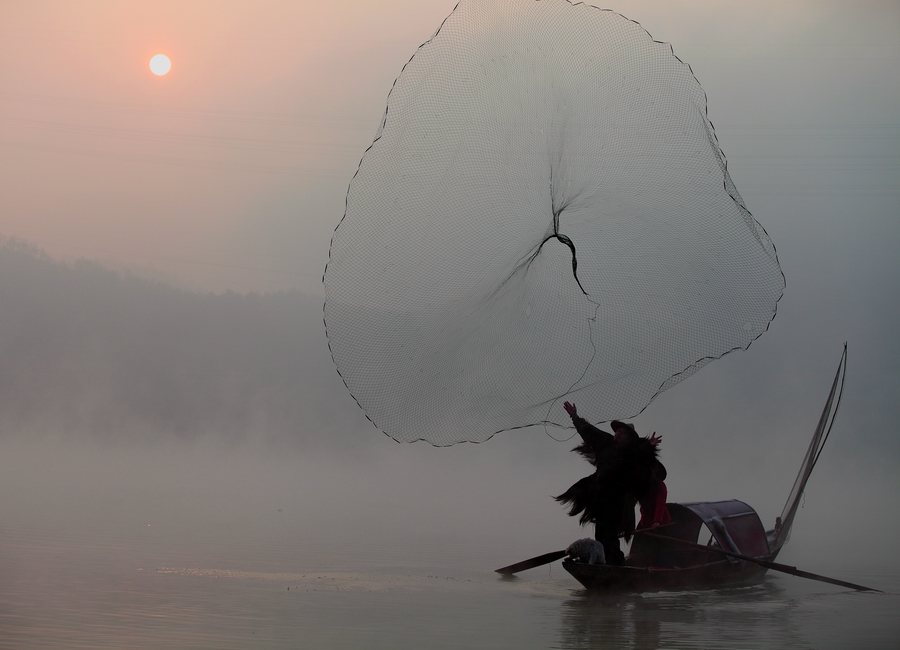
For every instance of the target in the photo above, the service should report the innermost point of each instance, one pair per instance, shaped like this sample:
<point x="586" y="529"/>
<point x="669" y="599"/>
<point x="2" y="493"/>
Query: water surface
<point x="143" y="591"/>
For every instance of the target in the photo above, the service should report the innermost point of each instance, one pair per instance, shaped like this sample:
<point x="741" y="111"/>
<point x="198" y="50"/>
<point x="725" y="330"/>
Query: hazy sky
<point x="231" y="171"/>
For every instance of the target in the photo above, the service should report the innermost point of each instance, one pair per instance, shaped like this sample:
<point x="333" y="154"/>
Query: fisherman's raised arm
<point x="593" y="437"/>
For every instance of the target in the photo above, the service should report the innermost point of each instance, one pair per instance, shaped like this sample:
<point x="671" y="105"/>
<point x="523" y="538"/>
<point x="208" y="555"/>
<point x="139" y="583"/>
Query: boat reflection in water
<point x="702" y="618"/>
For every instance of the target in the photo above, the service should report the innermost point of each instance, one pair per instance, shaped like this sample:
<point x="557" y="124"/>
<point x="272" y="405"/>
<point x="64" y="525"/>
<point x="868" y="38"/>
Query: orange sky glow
<point x="231" y="171"/>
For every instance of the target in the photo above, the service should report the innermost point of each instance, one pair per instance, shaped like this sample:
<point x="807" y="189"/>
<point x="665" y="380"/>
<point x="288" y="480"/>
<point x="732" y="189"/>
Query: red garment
<point x="653" y="508"/>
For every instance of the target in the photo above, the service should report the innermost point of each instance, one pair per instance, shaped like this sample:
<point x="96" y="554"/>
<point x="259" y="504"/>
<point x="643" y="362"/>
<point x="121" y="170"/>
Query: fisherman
<point x="626" y="472"/>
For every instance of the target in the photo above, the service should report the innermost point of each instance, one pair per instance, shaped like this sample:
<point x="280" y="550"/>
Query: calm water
<point x="144" y="592"/>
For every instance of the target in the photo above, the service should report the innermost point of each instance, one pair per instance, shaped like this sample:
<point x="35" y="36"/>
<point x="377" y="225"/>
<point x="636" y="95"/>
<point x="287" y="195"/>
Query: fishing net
<point x="545" y="213"/>
<point x="826" y="421"/>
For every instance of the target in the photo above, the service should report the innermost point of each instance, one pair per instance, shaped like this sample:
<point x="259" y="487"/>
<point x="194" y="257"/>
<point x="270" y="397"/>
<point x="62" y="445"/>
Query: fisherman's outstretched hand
<point x="655" y="439"/>
<point x="570" y="409"/>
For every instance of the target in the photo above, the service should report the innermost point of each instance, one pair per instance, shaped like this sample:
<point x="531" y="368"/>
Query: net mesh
<point x="820" y="436"/>
<point x="545" y="213"/>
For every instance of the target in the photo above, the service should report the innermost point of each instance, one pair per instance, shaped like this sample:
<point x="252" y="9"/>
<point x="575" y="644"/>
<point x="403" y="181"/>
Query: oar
<point x="547" y="558"/>
<point x="774" y="566"/>
<point x="540" y="560"/>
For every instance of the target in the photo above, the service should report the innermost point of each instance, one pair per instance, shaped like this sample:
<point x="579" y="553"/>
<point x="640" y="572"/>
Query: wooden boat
<point x="739" y="552"/>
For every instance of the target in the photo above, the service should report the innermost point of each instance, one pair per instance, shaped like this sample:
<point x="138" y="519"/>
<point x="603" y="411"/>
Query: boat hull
<point x="602" y="577"/>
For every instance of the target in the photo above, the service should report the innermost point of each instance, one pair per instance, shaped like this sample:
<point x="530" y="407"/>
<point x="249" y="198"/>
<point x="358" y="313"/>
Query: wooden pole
<point x="540" y="560"/>
<point x="774" y="566"/>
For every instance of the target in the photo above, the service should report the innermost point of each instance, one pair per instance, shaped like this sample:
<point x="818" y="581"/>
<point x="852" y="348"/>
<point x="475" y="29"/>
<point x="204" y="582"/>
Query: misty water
<point x="141" y="593"/>
<point x="200" y="547"/>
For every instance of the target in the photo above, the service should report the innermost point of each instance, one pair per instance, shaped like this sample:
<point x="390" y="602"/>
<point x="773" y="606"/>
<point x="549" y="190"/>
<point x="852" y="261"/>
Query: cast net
<point x="545" y="213"/>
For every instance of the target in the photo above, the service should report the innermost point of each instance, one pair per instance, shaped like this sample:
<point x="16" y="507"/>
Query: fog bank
<point x="87" y="351"/>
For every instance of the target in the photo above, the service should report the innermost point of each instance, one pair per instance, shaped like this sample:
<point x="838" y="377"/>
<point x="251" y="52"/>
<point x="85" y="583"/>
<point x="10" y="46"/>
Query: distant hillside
<point x="84" y="349"/>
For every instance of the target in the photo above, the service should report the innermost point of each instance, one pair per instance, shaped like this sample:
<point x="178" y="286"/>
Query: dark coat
<point x="621" y="478"/>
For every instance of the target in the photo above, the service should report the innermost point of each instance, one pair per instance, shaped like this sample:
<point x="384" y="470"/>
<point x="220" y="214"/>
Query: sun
<point x="160" y="65"/>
